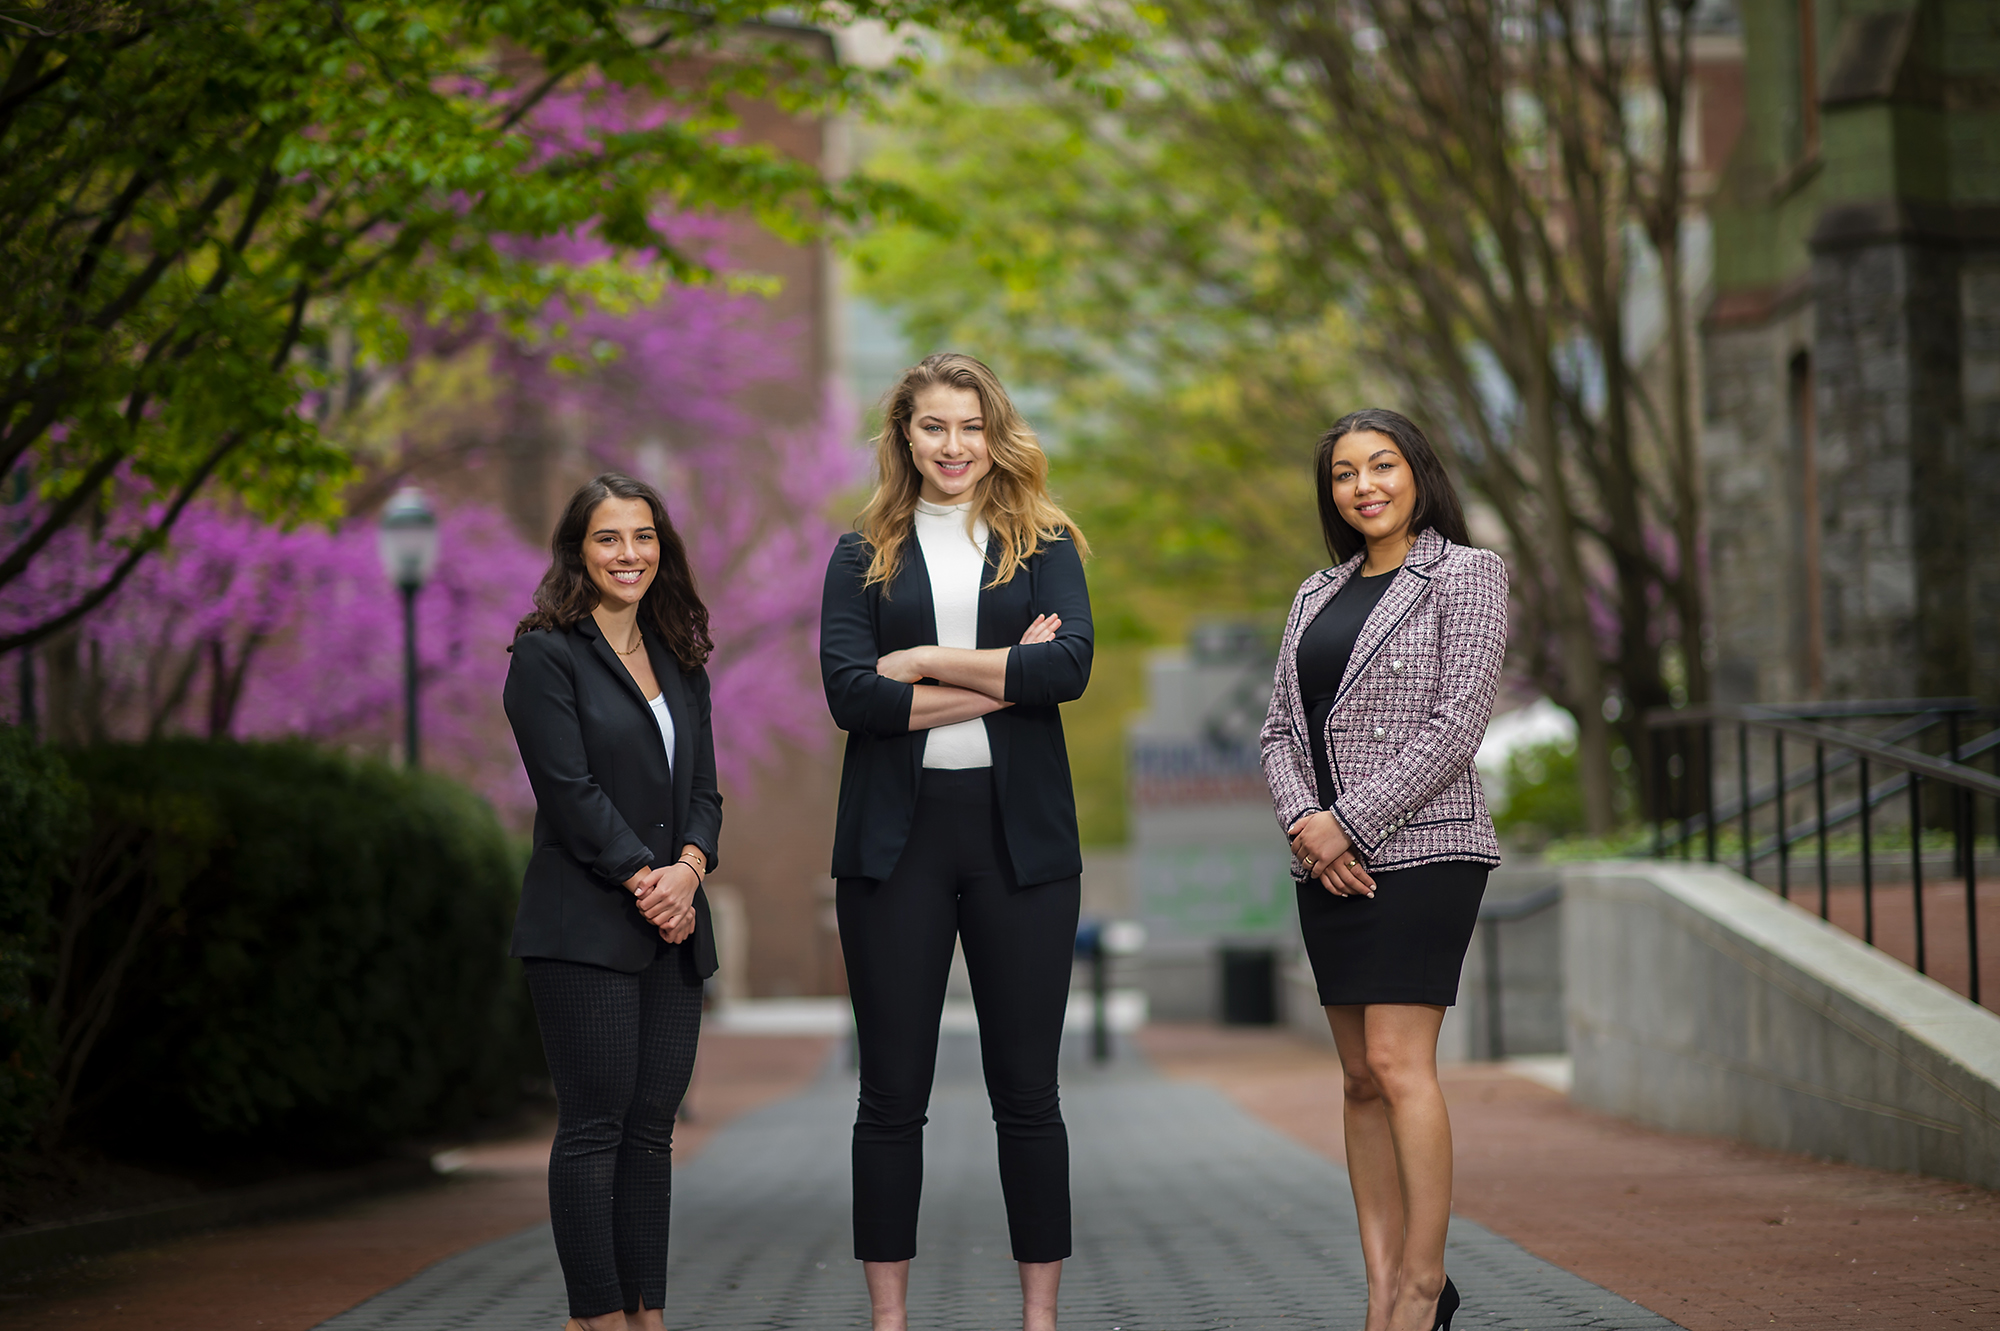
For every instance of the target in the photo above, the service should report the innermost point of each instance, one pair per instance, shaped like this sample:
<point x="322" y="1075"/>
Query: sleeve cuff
<point x="631" y="864"/>
<point x="1354" y="834"/>
<point x="1287" y="817"/>
<point x="894" y="716"/>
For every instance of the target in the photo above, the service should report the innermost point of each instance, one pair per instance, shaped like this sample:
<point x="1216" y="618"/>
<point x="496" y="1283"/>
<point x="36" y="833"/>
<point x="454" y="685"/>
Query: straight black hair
<point x="1437" y="508"/>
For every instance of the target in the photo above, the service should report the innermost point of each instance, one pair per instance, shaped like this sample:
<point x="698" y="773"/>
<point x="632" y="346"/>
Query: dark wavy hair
<point x="566" y="594"/>
<point x="1437" y="502"/>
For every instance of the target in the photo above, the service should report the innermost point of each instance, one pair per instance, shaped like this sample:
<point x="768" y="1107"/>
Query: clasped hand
<point x="1323" y="846"/>
<point x="666" y="898"/>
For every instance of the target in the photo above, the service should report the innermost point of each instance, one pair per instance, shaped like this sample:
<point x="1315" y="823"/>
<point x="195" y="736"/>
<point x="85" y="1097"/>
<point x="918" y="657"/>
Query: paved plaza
<point x="1189" y="1214"/>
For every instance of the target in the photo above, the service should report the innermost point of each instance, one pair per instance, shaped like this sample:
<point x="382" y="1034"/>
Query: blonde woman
<point x="955" y="620"/>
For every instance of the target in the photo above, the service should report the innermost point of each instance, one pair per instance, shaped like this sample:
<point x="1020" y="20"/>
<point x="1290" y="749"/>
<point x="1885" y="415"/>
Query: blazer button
<point x="1379" y="732"/>
<point x="1395" y="667"/>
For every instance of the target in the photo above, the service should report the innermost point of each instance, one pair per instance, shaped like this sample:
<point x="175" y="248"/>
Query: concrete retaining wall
<point x="1698" y="1002"/>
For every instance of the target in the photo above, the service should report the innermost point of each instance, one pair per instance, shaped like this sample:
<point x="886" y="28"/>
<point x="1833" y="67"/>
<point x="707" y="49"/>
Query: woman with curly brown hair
<point x="610" y="707"/>
<point x="955" y="621"/>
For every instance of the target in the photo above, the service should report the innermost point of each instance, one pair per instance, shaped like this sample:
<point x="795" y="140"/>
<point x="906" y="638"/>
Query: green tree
<point x="1108" y="266"/>
<point x="197" y="194"/>
<point x="1461" y="196"/>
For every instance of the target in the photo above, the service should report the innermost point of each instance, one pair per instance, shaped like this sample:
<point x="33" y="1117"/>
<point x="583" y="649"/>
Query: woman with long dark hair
<point x="1386" y="677"/>
<point x="955" y="620"/>
<point x="610" y="707"/>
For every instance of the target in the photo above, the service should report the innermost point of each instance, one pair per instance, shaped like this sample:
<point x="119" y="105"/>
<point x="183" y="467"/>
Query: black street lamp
<point x="408" y="543"/>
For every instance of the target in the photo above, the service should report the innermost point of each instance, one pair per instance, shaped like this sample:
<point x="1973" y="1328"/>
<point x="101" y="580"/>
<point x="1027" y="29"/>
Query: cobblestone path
<point x="1189" y="1215"/>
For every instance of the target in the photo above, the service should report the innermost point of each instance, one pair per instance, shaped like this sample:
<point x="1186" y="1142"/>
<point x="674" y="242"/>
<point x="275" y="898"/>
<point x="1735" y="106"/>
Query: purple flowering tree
<point x="240" y="628"/>
<point x="243" y="629"/>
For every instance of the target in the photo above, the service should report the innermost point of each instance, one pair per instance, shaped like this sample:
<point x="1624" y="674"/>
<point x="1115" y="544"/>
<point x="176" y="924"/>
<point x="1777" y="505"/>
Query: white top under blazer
<point x="955" y="557"/>
<point x="666" y="720"/>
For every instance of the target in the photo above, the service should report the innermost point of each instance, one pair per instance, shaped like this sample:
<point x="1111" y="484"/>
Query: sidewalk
<point x="1207" y="1194"/>
<point x="292" y="1275"/>
<point x="1711" y="1234"/>
<point x="1189" y="1214"/>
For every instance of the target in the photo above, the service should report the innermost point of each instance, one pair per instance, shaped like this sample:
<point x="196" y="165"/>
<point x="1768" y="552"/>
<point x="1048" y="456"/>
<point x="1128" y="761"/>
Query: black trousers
<point x="620" y="1049"/>
<point x="954" y="880"/>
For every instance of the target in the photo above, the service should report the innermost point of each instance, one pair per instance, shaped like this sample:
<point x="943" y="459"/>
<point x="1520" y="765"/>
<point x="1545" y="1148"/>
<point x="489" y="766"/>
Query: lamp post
<point x="408" y="544"/>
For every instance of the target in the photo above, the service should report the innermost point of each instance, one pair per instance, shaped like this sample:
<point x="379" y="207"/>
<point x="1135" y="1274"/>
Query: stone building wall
<point x="1892" y="518"/>
<point x="1755" y="519"/>
<point x="1979" y="380"/>
<point x="1903" y="341"/>
<point x="1871" y="245"/>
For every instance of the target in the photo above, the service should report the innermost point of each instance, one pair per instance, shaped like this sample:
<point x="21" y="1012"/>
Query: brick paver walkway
<point x="289" y="1275"/>
<point x="1946" y="958"/>
<point x="1712" y="1234"/>
<point x="1190" y="1213"/>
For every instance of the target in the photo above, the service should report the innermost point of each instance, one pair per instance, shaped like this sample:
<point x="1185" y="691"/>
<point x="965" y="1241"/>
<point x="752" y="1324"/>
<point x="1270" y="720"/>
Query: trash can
<point x="1249" y="986"/>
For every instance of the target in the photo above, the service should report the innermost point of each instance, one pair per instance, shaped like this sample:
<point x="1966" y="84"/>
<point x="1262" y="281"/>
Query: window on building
<point x="1809" y="629"/>
<point x="1805" y="118"/>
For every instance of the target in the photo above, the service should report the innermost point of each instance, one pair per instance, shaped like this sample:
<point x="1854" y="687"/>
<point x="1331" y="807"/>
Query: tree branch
<point x="534" y="97"/>
<point x="145" y="544"/>
<point x="67" y="507"/>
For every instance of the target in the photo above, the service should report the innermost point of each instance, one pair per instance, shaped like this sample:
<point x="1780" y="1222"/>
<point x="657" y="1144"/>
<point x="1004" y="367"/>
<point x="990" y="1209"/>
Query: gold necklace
<point x="633" y="648"/>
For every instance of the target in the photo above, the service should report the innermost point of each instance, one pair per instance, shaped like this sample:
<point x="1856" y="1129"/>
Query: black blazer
<point x="883" y="767"/>
<point x="604" y="804"/>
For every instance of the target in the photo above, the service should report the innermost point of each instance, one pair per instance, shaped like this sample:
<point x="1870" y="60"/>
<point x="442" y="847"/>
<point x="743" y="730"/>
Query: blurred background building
<point x="1852" y="392"/>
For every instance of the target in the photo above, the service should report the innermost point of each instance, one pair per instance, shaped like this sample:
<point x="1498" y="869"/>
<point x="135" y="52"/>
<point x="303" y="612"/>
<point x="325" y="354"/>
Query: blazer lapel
<point x="605" y="653"/>
<point x="912" y="591"/>
<point x="667" y="669"/>
<point x="986" y="633"/>
<point x="1412" y="580"/>
<point x="1309" y="607"/>
<point x="916" y="611"/>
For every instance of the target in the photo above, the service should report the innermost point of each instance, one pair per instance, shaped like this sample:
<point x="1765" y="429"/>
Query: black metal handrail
<point x="1683" y="809"/>
<point x="1493" y="914"/>
<point x="1909" y="728"/>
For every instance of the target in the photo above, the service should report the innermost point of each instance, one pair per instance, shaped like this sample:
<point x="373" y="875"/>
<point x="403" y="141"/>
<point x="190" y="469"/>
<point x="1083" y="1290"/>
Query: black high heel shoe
<point x="1447" y="1305"/>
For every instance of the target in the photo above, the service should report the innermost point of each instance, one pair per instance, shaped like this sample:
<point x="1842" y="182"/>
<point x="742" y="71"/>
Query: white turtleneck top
<point x="956" y="561"/>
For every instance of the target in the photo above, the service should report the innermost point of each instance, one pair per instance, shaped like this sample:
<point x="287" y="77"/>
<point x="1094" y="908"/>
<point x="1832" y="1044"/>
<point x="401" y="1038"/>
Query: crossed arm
<point x="969" y="682"/>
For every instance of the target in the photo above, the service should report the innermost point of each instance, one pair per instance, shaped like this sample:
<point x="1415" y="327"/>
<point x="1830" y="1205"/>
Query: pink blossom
<point x="243" y="629"/>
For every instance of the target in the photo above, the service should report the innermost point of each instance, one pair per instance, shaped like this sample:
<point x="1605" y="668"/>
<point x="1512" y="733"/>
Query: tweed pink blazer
<point x="1411" y="711"/>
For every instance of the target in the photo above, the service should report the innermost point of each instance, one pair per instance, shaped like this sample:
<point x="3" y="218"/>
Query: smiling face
<point x="948" y="442"/>
<point x="1373" y="486"/>
<point x="621" y="551"/>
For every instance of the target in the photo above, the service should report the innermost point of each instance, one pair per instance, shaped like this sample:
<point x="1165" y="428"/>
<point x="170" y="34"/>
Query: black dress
<point x="1406" y="944"/>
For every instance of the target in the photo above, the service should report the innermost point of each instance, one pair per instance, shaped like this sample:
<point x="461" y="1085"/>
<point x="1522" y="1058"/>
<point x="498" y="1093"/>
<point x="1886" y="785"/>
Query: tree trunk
<point x="1581" y="665"/>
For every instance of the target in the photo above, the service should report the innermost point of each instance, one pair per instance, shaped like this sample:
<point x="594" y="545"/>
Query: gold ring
<point x="1310" y="862"/>
<point x="1354" y="864"/>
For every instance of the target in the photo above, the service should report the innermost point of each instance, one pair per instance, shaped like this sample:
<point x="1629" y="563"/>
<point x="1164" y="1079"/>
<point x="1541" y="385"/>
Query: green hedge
<point x="313" y="952"/>
<point x="41" y="822"/>
<point x="1542" y="803"/>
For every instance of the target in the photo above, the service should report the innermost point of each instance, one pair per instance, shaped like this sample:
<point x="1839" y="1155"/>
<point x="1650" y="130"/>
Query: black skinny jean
<point x="954" y="880"/>
<point x="620" y="1049"/>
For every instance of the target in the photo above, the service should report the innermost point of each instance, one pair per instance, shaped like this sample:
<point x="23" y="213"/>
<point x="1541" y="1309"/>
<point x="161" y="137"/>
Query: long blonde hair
<point x="1013" y="496"/>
